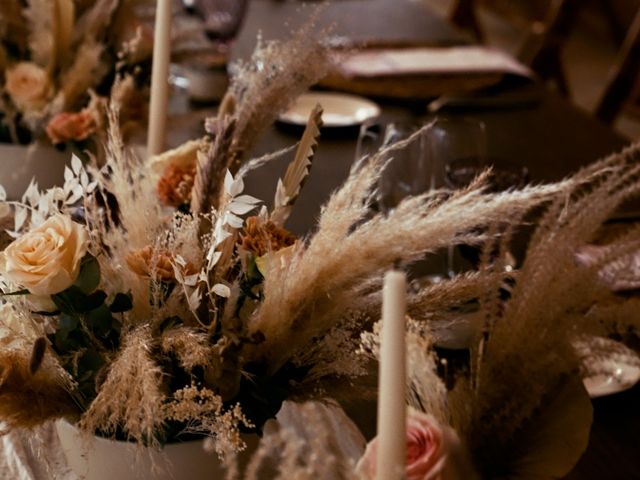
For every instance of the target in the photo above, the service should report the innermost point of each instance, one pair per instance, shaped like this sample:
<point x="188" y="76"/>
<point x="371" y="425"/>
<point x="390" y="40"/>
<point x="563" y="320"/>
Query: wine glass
<point x="222" y="18"/>
<point x="457" y="149"/>
<point x="460" y="145"/>
<point x="406" y="173"/>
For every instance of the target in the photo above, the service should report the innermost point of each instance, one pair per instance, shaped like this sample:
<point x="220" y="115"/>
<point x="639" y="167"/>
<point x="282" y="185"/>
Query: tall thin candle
<point x="392" y="411"/>
<point x="160" y="79"/>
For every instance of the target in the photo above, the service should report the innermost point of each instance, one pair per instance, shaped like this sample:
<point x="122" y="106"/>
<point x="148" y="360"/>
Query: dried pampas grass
<point x="276" y="75"/>
<point x="29" y="398"/>
<point x="304" y="296"/>
<point x="525" y="378"/>
<point x="132" y="395"/>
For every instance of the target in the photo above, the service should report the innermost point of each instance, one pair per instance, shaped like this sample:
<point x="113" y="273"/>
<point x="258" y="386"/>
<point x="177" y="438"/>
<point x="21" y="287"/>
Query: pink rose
<point x="68" y="126"/>
<point x="28" y="86"/>
<point x="430" y="446"/>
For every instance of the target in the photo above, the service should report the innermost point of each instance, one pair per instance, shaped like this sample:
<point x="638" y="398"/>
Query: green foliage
<point x="89" y="277"/>
<point x="87" y="333"/>
<point x="123" y="302"/>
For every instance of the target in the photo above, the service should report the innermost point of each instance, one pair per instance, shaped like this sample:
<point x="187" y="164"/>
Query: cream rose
<point x="28" y="85"/>
<point x="46" y="260"/>
<point x="433" y="452"/>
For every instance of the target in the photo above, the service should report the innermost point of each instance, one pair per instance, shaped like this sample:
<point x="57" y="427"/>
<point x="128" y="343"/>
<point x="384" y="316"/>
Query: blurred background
<point x="587" y="49"/>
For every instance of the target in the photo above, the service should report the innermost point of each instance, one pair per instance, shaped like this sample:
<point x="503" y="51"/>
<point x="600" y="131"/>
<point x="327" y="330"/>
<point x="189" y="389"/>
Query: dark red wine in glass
<point x="504" y="175"/>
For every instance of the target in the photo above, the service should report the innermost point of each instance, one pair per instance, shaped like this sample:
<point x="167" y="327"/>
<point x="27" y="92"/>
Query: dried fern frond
<point x="288" y="189"/>
<point x="312" y="440"/>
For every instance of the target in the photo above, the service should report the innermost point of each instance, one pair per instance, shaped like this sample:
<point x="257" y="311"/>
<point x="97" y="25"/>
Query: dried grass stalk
<point x="276" y="75"/>
<point x="132" y="394"/>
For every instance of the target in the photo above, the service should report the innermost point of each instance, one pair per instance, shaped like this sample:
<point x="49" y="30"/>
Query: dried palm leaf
<point x="288" y="189"/>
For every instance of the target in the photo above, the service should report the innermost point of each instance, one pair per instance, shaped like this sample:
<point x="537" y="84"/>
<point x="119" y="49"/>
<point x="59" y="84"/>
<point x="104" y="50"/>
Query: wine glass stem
<point x="450" y="270"/>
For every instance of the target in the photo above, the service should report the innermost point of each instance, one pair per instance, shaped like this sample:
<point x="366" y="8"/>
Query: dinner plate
<point x="616" y="368"/>
<point x="339" y="109"/>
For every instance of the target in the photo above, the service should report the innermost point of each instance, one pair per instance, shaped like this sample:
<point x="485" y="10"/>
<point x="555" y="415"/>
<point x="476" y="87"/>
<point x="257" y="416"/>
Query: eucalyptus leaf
<point x="89" y="277"/>
<point x="73" y="300"/>
<point x="123" y="302"/>
<point x="99" y="320"/>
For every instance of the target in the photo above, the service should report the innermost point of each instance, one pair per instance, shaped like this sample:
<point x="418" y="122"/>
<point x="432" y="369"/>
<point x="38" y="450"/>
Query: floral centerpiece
<point x="146" y="299"/>
<point x="61" y="59"/>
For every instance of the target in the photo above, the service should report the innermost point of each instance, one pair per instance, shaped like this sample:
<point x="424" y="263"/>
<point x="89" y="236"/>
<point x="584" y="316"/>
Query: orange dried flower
<point x="261" y="237"/>
<point x="175" y="185"/>
<point x="67" y="126"/>
<point x="148" y="262"/>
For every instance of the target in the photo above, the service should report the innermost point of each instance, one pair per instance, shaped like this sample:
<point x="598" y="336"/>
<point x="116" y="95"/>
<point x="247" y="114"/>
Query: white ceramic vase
<point x="96" y="458"/>
<point x="21" y="163"/>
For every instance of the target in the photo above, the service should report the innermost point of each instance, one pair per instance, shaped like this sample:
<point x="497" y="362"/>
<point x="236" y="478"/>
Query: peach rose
<point x="429" y="446"/>
<point x="28" y="86"/>
<point x="46" y="260"/>
<point x="67" y="126"/>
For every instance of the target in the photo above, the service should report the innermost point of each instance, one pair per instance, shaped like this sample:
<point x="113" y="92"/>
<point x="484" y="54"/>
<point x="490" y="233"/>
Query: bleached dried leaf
<point x="221" y="290"/>
<point x="20" y="217"/>
<point x="191" y="280"/>
<point x="76" y="164"/>
<point x="194" y="300"/>
<point x="239" y="208"/>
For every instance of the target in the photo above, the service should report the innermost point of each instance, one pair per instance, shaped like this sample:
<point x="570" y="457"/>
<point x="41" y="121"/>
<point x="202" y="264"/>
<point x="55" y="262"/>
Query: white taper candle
<point x="160" y="79"/>
<point x="391" y="457"/>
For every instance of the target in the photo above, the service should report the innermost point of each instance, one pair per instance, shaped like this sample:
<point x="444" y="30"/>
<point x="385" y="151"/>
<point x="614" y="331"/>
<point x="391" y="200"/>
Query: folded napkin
<point x="422" y="72"/>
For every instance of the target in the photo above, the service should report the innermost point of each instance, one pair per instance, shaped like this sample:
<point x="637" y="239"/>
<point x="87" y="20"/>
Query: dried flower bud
<point x="261" y="237"/>
<point x="175" y="185"/>
<point x="157" y="264"/>
<point x="37" y="354"/>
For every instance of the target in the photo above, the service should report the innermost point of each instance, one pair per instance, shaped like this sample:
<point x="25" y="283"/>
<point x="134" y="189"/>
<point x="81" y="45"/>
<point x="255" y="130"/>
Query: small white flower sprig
<point x="36" y="205"/>
<point x="227" y="222"/>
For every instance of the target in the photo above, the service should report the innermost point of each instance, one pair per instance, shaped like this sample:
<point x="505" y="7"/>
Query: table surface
<point x="550" y="136"/>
